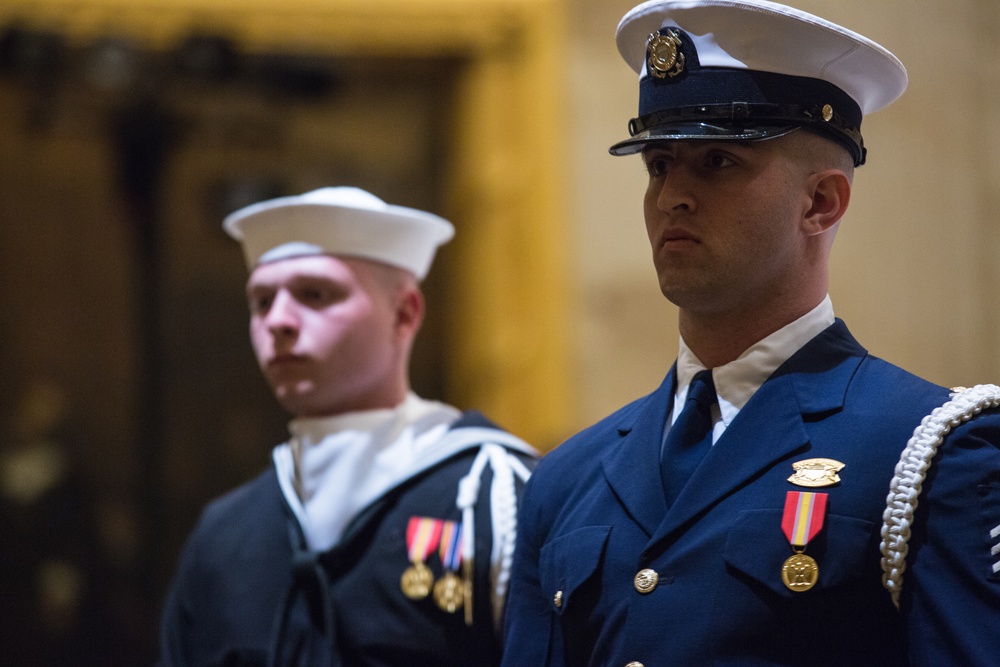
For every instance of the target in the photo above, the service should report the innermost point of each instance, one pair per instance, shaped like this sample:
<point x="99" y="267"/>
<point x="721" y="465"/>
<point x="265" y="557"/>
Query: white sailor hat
<point x="338" y="221"/>
<point x="744" y="70"/>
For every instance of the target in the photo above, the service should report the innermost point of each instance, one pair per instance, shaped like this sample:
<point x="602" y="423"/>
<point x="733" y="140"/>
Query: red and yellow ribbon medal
<point x="422" y="536"/>
<point x="449" y="591"/>
<point x="802" y="520"/>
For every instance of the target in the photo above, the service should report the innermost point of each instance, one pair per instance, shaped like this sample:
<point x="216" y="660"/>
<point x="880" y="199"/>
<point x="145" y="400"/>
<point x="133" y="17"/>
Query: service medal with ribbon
<point x="801" y="521"/>
<point x="422" y="537"/>
<point x="449" y="591"/>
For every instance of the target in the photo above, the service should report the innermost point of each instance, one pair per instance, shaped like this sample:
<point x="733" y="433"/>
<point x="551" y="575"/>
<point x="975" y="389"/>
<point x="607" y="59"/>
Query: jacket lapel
<point x="755" y="441"/>
<point x="632" y="466"/>
<point x="770" y="427"/>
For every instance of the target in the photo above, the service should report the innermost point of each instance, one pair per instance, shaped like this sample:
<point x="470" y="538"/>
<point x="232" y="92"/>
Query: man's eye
<point x="656" y="167"/>
<point x="260" y="304"/>
<point x="720" y="161"/>
<point x="317" y="296"/>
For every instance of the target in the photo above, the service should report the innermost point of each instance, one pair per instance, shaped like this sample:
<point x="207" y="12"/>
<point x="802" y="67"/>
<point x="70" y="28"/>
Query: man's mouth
<point x="285" y="358"/>
<point x="675" y="238"/>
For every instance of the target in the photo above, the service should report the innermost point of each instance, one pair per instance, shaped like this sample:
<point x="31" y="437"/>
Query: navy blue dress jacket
<point x="594" y="515"/>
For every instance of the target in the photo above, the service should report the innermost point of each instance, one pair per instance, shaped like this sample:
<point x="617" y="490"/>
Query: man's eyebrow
<point x="259" y="285"/>
<point x="658" y="150"/>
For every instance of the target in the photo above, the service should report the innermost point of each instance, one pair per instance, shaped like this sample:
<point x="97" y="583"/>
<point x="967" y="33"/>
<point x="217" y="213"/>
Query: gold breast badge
<point x="816" y="473"/>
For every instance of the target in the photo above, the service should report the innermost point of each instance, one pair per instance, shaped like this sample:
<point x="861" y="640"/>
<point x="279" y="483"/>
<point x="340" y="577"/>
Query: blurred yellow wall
<point x="575" y="323"/>
<point x="554" y="315"/>
<point x="505" y="184"/>
<point x="915" y="264"/>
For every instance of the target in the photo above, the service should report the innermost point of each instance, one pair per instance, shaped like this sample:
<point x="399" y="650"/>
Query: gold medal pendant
<point x="422" y="537"/>
<point x="416" y="581"/>
<point x="449" y="592"/>
<point x="799" y="572"/>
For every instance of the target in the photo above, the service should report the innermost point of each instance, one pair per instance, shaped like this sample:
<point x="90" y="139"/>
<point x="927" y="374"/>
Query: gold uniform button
<point x="558" y="599"/>
<point x="635" y="663"/>
<point x="646" y="580"/>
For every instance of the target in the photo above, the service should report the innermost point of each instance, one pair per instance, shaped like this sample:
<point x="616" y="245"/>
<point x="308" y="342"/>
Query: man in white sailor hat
<point x="371" y="539"/>
<point x="733" y="516"/>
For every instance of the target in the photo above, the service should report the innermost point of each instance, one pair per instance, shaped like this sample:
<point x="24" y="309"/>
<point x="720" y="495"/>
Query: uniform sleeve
<point x="176" y="619"/>
<point x="224" y="597"/>
<point x="951" y="588"/>
<point x="528" y="619"/>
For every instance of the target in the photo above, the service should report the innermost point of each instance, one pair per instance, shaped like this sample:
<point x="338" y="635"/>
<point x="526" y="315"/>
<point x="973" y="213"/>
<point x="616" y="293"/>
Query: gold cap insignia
<point x="663" y="56"/>
<point x="816" y="472"/>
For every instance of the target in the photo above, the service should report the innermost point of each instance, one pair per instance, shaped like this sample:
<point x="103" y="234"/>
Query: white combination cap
<point x="343" y="221"/>
<point x="750" y="69"/>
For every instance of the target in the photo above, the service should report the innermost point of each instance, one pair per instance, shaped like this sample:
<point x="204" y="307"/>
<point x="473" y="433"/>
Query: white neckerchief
<point x="334" y="467"/>
<point x="738" y="380"/>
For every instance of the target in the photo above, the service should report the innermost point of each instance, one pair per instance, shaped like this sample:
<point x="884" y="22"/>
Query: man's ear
<point x="830" y="193"/>
<point x="409" y="312"/>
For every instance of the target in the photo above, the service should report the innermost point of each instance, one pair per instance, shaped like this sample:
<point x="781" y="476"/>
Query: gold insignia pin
<point x="814" y="473"/>
<point x="663" y="55"/>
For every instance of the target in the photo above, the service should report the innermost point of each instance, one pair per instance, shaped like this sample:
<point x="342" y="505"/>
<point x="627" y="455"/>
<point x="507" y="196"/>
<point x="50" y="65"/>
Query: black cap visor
<point x="697" y="132"/>
<point x="740" y="122"/>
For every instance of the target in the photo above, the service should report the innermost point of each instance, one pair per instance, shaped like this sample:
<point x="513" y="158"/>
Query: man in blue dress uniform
<point x="382" y="535"/>
<point x="732" y="517"/>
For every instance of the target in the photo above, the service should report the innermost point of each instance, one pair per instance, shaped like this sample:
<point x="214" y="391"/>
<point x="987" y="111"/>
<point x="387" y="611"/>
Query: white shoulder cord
<point x="905" y="487"/>
<point x="503" y="510"/>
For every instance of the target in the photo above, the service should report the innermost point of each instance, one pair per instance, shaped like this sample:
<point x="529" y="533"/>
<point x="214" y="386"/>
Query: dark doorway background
<point x="130" y="393"/>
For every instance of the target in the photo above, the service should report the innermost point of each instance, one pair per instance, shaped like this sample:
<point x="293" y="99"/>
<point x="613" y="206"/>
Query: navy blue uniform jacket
<point x="594" y="515"/>
<point x="247" y="595"/>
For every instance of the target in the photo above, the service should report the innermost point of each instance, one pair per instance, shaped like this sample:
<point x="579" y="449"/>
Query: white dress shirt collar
<point x="738" y="380"/>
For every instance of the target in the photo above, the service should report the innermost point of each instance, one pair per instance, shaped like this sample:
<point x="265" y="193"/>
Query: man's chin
<point x="295" y="397"/>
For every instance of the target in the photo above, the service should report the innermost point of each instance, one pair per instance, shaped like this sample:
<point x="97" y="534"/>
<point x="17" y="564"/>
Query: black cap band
<point x="746" y="121"/>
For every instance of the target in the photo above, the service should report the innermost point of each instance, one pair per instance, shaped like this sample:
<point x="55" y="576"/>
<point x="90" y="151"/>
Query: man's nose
<point x="676" y="193"/>
<point x="282" y="316"/>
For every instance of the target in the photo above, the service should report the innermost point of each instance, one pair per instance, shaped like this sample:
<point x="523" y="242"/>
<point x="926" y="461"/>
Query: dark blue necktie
<point x="690" y="437"/>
